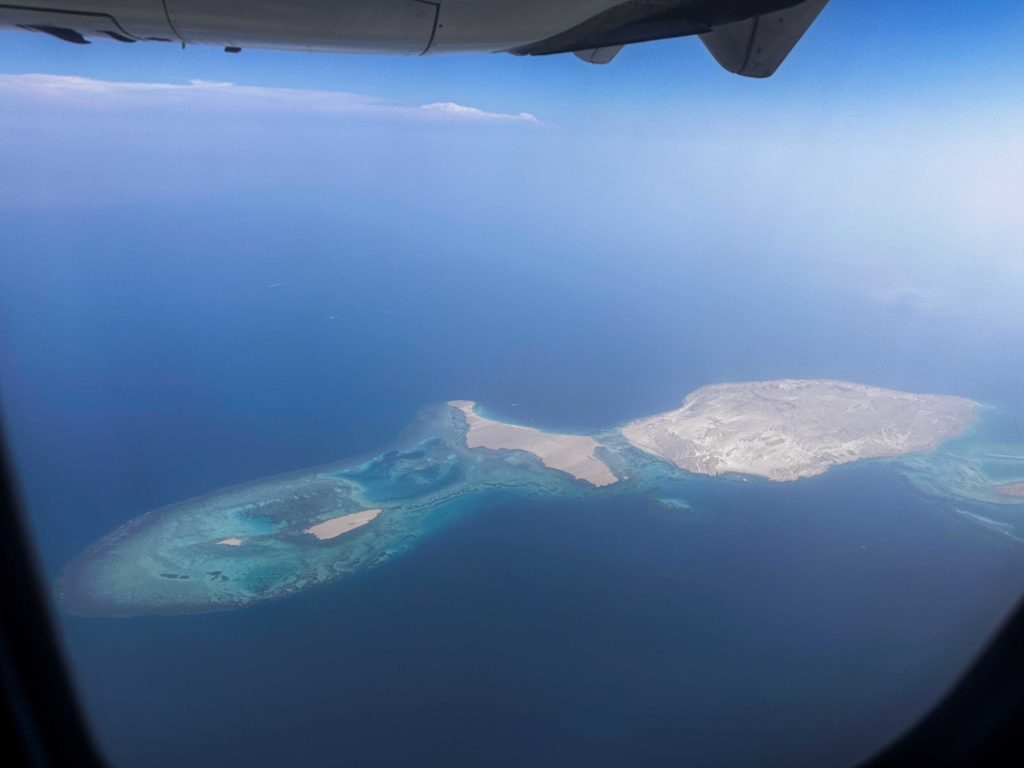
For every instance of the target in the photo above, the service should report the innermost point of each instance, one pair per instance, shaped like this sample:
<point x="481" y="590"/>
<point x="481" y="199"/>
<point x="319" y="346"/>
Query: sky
<point x="889" y="141"/>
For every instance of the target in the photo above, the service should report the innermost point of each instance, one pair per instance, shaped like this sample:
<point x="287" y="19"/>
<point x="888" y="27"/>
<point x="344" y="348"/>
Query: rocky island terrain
<point x="793" y="428"/>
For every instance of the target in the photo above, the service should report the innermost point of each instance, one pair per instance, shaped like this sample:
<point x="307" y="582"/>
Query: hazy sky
<point x="885" y="156"/>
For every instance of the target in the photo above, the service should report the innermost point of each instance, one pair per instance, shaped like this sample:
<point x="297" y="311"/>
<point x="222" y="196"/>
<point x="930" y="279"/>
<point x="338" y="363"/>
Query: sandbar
<point x="336" y="526"/>
<point x="573" y="454"/>
<point x="231" y="542"/>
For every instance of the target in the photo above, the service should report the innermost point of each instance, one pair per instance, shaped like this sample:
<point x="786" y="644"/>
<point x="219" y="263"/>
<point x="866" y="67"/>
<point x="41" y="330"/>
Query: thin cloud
<point x="462" y="111"/>
<point x="84" y="92"/>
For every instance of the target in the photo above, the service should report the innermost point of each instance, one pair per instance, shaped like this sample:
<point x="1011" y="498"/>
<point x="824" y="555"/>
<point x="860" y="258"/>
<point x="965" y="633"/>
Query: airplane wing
<point x="756" y="47"/>
<point x="748" y="37"/>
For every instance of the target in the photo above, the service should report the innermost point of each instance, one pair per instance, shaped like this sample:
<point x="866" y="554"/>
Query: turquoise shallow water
<point x="967" y="473"/>
<point x="175" y="560"/>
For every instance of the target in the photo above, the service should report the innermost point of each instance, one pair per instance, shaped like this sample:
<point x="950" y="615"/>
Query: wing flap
<point x="599" y="55"/>
<point x="756" y="47"/>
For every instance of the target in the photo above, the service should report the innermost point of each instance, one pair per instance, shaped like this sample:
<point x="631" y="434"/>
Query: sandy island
<point x="336" y="526"/>
<point x="793" y="428"/>
<point x="573" y="454"/>
<point x="1011" y="489"/>
<point x="232" y="542"/>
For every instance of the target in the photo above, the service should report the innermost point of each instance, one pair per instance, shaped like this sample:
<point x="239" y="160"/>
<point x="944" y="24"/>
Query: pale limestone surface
<point x="573" y="454"/>
<point x="330" y="529"/>
<point x="791" y="428"/>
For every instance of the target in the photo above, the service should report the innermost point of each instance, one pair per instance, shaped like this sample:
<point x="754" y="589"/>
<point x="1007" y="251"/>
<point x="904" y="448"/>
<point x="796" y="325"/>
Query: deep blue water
<point x="800" y="626"/>
<point x="803" y="623"/>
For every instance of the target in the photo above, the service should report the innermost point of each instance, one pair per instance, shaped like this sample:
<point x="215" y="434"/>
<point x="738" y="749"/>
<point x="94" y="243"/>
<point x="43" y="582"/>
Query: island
<point x="273" y="537"/>
<point x="572" y="454"/>
<point x="789" y="429"/>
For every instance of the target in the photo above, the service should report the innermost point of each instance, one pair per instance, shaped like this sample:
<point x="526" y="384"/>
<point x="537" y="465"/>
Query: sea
<point x="147" y="360"/>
